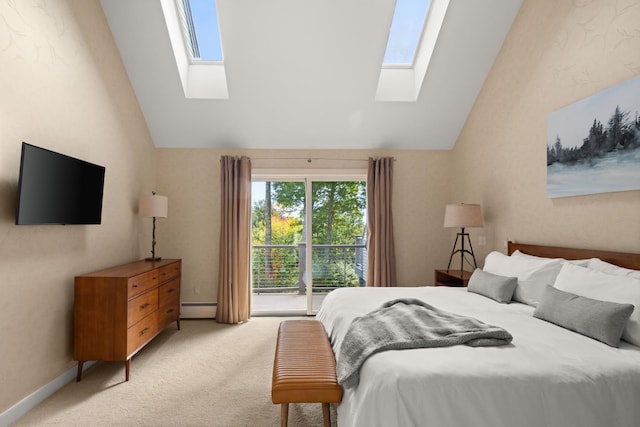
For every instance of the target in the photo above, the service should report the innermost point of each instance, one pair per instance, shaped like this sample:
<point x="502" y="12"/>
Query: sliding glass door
<point x="338" y="236"/>
<point x="288" y="275"/>
<point x="278" y="247"/>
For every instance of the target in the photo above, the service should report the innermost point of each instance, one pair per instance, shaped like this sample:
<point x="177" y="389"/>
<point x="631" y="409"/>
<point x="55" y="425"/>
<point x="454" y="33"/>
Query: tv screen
<point x="58" y="189"/>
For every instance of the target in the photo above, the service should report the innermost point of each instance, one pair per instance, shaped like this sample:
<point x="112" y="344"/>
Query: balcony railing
<point x="281" y="268"/>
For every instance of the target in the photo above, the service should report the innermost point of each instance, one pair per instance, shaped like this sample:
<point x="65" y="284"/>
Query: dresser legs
<point x="127" y="363"/>
<point x="127" y="369"/>
<point x="79" y="376"/>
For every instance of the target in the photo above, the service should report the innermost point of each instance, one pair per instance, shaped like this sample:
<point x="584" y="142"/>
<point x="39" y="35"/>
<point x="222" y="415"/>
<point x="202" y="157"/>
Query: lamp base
<point x="462" y="251"/>
<point x="153" y="259"/>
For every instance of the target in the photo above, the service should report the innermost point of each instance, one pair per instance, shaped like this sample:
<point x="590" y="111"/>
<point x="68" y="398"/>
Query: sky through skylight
<point x="406" y="30"/>
<point x="205" y="22"/>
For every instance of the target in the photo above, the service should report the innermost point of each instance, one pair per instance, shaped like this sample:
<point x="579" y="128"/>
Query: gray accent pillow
<point x="601" y="320"/>
<point x="499" y="288"/>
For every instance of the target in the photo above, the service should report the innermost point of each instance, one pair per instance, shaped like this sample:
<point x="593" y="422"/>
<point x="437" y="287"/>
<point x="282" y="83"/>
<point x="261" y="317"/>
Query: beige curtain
<point x="381" y="258"/>
<point x="234" y="276"/>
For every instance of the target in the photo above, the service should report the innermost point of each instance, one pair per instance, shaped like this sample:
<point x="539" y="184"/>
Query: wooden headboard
<point x="623" y="259"/>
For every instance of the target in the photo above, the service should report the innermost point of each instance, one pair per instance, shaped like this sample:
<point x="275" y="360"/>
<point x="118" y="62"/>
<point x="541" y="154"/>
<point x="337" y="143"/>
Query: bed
<point x="547" y="376"/>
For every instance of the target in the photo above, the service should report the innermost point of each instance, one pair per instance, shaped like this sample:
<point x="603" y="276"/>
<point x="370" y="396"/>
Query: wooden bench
<point x="304" y="368"/>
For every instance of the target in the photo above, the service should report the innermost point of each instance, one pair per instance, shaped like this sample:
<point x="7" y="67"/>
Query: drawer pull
<point x="170" y="290"/>
<point x="135" y="286"/>
<point x="171" y="310"/>
<point x="144" y="331"/>
<point x="145" y="305"/>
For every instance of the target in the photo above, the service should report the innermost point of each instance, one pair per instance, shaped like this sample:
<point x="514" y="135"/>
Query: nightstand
<point x="452" y="277"/>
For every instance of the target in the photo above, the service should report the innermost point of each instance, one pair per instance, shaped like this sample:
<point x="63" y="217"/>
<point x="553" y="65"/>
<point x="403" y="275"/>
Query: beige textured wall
<point x="557" y="53"/>
<point x="63" y="87"/>
<point x="191" y="180"/>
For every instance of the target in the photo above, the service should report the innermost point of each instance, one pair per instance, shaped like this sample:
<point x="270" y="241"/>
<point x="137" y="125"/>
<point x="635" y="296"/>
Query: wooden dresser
<point x="117" y="311"/>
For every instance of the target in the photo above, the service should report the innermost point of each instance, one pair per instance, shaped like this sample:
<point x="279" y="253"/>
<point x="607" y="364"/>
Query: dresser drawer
<point x="169" y="292"/>
<point x="169" y="272"/>
<point x="169" y="313"/>
<point x="141" y="332"/>
<point x="141" y="306"/>
<point x="169" y="302"/>
<point x="142" y="282"/>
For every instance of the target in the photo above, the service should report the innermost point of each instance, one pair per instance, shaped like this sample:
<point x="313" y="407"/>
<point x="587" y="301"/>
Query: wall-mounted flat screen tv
<point x="57" y="189"/>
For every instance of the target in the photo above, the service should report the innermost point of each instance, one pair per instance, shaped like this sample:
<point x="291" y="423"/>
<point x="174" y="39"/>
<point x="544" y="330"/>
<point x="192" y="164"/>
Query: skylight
<point x="412" y="40"/>
<point x="200" y="22"/>
<point x="198" y="56"/>
<point x="406" y="28"/>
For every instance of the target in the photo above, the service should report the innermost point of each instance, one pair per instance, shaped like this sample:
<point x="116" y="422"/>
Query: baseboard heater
<point x="198" y="310"/>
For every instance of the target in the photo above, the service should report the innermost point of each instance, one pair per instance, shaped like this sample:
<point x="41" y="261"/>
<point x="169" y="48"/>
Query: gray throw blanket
<point x="409" y="323"/>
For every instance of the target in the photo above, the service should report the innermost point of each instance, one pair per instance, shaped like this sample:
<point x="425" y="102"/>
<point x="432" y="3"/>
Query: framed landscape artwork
<point x="593" y="146"/>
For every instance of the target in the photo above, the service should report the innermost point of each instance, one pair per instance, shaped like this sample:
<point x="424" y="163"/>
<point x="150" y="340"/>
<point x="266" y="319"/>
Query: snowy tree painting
<point x="593" y="146"/>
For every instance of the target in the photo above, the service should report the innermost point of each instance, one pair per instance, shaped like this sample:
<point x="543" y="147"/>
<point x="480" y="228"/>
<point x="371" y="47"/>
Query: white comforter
<point x="548" y="376"/>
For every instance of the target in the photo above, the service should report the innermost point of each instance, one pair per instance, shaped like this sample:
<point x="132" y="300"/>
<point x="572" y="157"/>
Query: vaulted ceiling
<point x="302" y="74"/>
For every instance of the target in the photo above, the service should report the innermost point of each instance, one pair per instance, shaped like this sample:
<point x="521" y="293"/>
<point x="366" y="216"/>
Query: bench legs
<point x="284" y="415"/>
<point x="326" y="415"/>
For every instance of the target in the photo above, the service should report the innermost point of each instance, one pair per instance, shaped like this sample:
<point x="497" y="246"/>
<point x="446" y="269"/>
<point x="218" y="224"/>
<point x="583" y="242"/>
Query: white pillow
<point x="605" y="267"/>
<point x="533" y="274"/>
<point x="581" y="262"/>
<point x="604" y="287"/>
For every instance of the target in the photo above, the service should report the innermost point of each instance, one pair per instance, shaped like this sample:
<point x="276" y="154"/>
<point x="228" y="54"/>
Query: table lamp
<point x="462" y="215"/>
<point x="153" y="206"/>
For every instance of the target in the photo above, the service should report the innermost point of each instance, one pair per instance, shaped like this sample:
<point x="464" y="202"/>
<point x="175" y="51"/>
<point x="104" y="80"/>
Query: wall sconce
<point x="153" y="206"/>
<point x="462" y="216"/>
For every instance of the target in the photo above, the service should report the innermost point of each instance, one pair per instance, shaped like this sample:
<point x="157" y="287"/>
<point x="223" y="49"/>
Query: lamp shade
<point x="463" y="215"/>
<point x="153" y="206"/>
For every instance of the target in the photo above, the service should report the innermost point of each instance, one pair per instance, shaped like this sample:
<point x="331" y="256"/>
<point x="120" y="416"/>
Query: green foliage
<point x="289" y="196"/>
<point x="341" y="272"/>
<point x="338" y="211"/>
<point x="283" y="268"/>
<point x="284" y="229"/>
<point x="338" y="208"/>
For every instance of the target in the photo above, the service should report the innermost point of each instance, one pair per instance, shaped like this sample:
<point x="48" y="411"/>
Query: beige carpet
<point x="204" y="375"/>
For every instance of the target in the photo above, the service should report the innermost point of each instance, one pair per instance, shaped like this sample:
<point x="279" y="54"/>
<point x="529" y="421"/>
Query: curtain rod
<point x="310" y="159"/>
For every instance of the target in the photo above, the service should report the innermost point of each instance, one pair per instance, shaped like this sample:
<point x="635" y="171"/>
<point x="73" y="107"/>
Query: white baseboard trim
<point x="198" y="310"/>
<point x="18" y="410"/>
